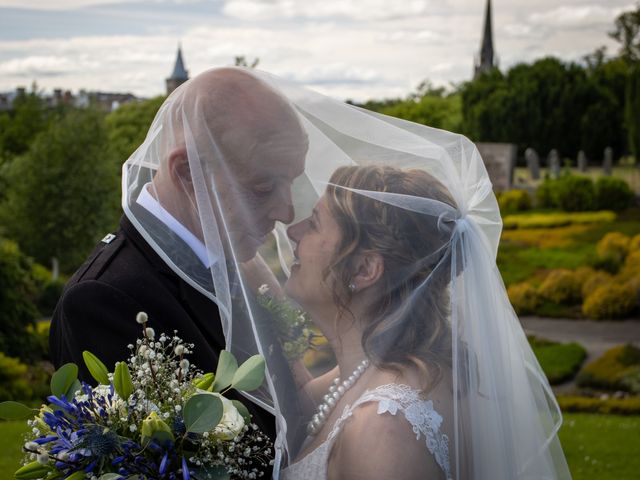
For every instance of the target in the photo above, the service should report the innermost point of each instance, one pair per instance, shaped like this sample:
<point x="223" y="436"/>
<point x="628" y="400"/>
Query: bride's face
<point x="317" y="238"/>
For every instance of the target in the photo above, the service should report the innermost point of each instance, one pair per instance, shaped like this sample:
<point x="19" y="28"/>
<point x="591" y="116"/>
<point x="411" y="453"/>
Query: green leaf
<point x="205" y="382"/>
<point x="227" y="366"/>
<point x="110" y="476"/>
<point x="250" y="374"/>
<point x="32" y="471"/>
<point x="96" y="368"/>
<point x="122" y="380"/>
<point x="75" y="387"/>
<point x="202" y="413"/>
<point x="63" y="379"/>
<point x="242" y="410"/>
<point x="14" y="411"/>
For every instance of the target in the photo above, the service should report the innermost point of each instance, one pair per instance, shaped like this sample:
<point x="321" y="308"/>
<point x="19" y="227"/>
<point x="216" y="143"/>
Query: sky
<point x="349" y="49"/>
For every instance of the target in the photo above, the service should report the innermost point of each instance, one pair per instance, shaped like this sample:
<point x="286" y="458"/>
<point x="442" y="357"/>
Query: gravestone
<point x="554" y="163"/>
<point x="533" y="163"/>
<point x="499" y="160"/>
<point x="582" y="161"/>
<point x="607" y="163"/>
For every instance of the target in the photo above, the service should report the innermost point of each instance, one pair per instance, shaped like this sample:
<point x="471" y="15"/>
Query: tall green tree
<point x="57" y="199"/>
<point x="20" y="126"/>
<point x="627" y="33"/>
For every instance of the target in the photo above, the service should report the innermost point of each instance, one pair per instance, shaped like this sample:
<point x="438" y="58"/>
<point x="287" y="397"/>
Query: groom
<point x="257" y="132"/>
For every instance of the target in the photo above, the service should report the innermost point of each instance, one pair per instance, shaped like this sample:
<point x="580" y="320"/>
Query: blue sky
<point x="356" y="49"/>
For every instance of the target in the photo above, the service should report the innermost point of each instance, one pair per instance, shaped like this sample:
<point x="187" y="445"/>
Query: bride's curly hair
<point x="408" y="320"/>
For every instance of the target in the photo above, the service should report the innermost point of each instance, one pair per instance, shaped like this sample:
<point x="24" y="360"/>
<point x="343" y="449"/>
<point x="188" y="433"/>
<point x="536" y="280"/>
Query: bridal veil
<point x="234" y="154"/>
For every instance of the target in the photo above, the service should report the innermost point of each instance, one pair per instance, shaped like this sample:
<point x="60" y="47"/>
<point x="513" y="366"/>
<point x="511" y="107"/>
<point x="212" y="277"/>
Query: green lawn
<point x="602" y="447"/>
<point x="11" y="447"/>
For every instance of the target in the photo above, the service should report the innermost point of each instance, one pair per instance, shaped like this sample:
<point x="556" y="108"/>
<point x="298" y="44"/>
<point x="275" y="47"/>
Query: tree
<point x="17" y="292"/>
<point x="57" y="199"/>
<point x="241" y="61"/>
<point x="19" y="127"/>
<point x="627" y="33"/>
<point x="428" y="105"/>
<point x="128" y="125"/>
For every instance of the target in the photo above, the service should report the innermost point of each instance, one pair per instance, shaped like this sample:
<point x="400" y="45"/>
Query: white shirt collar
<point x="147" y="201"/>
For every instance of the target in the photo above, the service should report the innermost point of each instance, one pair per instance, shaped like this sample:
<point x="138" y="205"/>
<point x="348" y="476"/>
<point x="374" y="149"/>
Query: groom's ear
<point x="369" y="269"/>
<point x="179" y="166"/>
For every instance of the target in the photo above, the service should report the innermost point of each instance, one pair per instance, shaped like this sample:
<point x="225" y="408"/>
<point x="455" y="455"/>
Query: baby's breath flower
<point x="142" y="318"/>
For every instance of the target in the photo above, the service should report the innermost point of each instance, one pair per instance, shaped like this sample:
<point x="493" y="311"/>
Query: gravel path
<point x="595" y="337"/>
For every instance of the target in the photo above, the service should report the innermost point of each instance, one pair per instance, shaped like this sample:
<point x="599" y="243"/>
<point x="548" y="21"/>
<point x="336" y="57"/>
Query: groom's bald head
<point x="230" y="126"/>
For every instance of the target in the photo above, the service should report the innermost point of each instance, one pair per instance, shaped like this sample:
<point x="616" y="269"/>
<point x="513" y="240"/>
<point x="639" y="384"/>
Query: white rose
<point x="231" y="423"/>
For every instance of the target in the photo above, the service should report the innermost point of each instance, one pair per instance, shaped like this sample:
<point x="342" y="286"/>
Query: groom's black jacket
<point x="123" y="276"/>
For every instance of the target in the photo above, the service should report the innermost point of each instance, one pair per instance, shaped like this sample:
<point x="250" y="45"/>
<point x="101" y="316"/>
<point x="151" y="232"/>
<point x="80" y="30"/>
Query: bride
<point x="359" y="282"/>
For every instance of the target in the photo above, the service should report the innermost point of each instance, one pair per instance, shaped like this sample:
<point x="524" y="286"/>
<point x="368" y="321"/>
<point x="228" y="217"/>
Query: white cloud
<point x="582" y="16"/>
<point x="353" y="49"/>
<point x="353" y="9"/>
<point x="76" y="4"/>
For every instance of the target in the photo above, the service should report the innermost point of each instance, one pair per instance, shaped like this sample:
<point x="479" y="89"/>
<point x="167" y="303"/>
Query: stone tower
<point x="486" y="63"/>
<point x="179" y="75"/>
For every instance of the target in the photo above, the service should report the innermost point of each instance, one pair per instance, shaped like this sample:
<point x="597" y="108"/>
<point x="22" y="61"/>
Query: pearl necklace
<point x="330" y="400"/>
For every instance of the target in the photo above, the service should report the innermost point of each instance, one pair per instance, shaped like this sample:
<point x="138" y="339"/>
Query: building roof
<point x="486" y="61"/>
<point x="179" y="72"/>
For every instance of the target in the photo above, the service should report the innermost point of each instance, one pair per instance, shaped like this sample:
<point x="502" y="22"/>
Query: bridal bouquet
<point x="154" y="417"/>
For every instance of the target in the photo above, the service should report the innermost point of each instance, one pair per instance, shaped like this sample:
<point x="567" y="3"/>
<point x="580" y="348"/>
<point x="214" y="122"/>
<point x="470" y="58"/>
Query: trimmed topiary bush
<point x="13" y="379"/>
<point x="544" y="194"/>
<point x="612" y="193"/>
<point x="619" y="406"/>
<point x="617" y="369"/>
<point x="562" y="287"/>
<point x="514" y="201"/>
<point x="631" y="266"/>
<point x="595" y="280"/>
<point x="612" y="250"/>
<point x="610" y="302"/>
<point x="524" y="298"/>
<point x="573" y="193"/>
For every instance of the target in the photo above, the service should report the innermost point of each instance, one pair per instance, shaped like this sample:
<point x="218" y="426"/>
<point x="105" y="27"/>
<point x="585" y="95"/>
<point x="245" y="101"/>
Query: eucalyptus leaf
<point x="202" y="413"/>
<point x="97" y="369"/>
<point x="227" y="366"/>
<point x="250" y="374"/>
<point x="110" y="476"/>
<point x="32" y="471"/>
<point x="205" y="382"/>
<point x="14" y="411"/>
<point x="75" y="387"/>
<point x="63" y="379"/>
<point x="122" y="381"/>
<point x="242" y="410"/>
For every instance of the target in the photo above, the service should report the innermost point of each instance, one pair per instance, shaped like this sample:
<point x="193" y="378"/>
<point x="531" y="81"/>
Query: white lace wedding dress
<point x="391" y="398"/>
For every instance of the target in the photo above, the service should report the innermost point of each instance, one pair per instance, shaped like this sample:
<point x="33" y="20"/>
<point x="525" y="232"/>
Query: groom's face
<point x="254" y="186"/>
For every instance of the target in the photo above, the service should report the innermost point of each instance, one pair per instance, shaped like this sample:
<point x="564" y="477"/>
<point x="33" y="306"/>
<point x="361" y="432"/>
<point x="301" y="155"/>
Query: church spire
<point x="486" y="62"/>
<point x="179" y="75"/>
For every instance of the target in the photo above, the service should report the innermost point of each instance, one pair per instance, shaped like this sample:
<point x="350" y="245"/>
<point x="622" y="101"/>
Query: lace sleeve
<point x="424" y="419"/>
